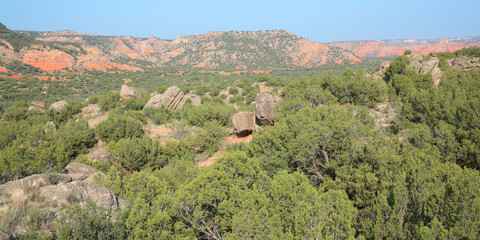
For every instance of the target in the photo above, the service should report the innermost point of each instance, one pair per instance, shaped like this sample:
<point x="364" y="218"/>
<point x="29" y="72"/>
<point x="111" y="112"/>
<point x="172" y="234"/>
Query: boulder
<point x="80" y="192"/>
<point x="37" y="105"/>
<point x="49" y="126"/>
<point x="129" y="92"/>
<point x="264" y="111"/>
<point x="172" y="98"/>
<point x="92" y="123"/>
<point x="244" y="122"/>
<point x="102" y="155"/>
<point x="90" y="110"/>
<point x="57" y="106"/>
<point x="79" y="171"/>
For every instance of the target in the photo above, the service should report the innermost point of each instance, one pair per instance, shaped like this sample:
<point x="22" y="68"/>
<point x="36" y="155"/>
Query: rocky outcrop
<point x="79" y="171"/>
<point x="37" y="105"/>
<point x="80" y="192"/>
<point x="463" y="63"/>
<point x="75" y="186"/>
<point x="244" y="122"/>
<point x="92" y="123"/>
<point x="129" y="92"/>
<point x="57" y="106"/>
<point x="383" y="67"/>
<point x="101" y="155"/>
<point x="172" y="98"/>
<point x="398" y="47"/>
<point x="264" y="111"/>
<point x="423" y="66"/>
<point x="48" y="59"/>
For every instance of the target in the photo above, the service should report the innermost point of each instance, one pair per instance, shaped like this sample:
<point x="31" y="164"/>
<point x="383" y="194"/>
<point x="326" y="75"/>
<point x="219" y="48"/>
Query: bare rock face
<point x="79" y="171"/>
<point x="92" y="123"/>
<point x="264" y="111"/>
<point x="464" y="64"/>
<point x="90" y="110"/>
<point x="57" y="106"/>
<point x="244" y="122"/>
<point x="383" y="67"/>
<point x="80" y="192"/>
<point x="129" y="92"/>
<point x="172" y="98"/>
<point x="423" y="66"/>
<point x="195" y="99"/>
<point x="101" y="155"/>
<point x="37" y="105"/>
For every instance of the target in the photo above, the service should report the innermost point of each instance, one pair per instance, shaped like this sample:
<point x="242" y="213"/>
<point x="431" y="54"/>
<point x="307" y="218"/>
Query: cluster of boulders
<point x="74" y="185"/>
<point x="264" y="114"/>
<point x="172" y="98"/>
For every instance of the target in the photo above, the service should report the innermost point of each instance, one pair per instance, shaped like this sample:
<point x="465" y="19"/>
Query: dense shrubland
<point x="323" y="171"/>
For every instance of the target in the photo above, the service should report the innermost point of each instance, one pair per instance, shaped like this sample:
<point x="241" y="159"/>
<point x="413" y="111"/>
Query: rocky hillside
<point x="389" y="48"/>
<point x="67" y="50"/>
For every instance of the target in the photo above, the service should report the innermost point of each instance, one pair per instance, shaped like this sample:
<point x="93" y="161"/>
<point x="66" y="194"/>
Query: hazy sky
<point x="321" y="21"/>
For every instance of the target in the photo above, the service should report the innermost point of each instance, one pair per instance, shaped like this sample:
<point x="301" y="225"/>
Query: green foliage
<point x="161" y="89"/>
<point x="16" y="112"/>
<point x="134" y="153"/>
<point x="214" y="92"/>
<point x="17" y="40"/>
<point x="201" y="90"/>
<point x="233" y="90"/>
<point x="118" y="127"/>
<point x="397" y="66"/>
<point x="160" y="115"/>
<point x="109" y="101"/>
<point x="469" y="52"/>
<point x="90" y="222"/>
<point x="209" y="111"/>
<point x="208" y="139"/>
<point x="185" y="90"/>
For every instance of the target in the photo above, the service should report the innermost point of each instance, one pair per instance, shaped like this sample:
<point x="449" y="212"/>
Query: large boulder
<point x="80" y="192"/>
<point x="102" y="155"/>
<point x="79" y="171"/>
<point x="264" y="111"/>
<point x="244" y="122"/>
<point x="129" y="92"/>
<point x="172" y="98"/>
<point x="37" y="105"/>
<point x="57" y="106"/>
<point x="90" y="110"/>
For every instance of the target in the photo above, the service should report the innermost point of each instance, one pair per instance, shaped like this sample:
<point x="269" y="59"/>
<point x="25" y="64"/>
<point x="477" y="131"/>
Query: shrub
<point x="119" y="127"/>
<point x="159" y="115"/>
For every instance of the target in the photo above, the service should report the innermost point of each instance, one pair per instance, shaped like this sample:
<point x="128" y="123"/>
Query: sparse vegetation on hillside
<point x="326" y="168"/>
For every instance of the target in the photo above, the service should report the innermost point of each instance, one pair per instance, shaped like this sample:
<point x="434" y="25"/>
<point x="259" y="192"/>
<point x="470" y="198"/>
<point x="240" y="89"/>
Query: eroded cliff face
<point x="398" y="47"/>
<point x="239" y="49"/>
<point x="47" y="59"/>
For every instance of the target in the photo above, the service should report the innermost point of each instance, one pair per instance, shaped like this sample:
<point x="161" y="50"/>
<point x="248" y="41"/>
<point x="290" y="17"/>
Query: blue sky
<point x="321" y="21"/>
